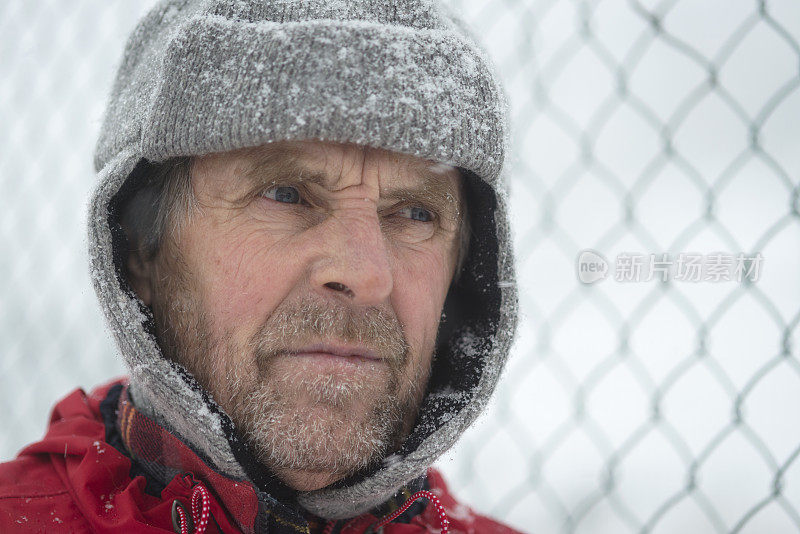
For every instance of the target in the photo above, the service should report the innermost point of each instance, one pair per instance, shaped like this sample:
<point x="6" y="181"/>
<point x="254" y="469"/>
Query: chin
<point x="294" y="430"/>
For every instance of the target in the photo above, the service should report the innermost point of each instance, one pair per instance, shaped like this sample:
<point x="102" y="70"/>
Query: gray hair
<point x="153" y="210"/>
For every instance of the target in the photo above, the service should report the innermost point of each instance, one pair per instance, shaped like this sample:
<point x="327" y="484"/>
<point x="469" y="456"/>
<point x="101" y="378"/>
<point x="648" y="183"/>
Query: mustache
<point x="310" y="321"/>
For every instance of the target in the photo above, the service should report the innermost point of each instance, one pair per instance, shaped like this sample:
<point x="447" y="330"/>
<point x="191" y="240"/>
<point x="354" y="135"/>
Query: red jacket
<point x="75" y="481"/>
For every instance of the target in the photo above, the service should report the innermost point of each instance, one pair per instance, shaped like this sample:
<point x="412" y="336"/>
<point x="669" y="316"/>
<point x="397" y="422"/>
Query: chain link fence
<point x="656" y="130"/>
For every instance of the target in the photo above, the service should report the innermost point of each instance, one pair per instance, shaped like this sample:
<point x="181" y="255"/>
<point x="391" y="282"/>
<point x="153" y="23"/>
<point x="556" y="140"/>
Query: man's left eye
<point x="417" y="213"/>
<point x="283" y="193"/>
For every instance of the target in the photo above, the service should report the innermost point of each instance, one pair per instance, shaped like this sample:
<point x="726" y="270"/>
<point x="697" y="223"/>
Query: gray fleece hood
<point x="209" y="76"/>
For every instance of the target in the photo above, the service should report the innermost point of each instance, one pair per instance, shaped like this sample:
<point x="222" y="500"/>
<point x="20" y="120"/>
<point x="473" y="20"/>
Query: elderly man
<point x="299" y="240"/>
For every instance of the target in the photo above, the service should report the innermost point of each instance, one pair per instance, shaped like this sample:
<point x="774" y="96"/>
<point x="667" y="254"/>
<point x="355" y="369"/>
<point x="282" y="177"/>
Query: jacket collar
<point x="270" y="507"/>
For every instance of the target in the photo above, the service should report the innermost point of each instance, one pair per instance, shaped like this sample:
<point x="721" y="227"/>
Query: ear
<point x="140" y="275"/>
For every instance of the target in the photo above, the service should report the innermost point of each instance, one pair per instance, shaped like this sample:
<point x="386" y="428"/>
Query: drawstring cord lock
<point x="182" y="523"/>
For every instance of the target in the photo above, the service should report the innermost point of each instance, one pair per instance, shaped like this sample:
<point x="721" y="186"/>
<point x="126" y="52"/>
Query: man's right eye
<point x="283" y="193"/>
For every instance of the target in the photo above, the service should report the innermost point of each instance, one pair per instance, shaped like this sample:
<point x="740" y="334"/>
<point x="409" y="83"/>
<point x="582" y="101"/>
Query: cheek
<point x="242" y="276"/>
<point x="420" y="286"/>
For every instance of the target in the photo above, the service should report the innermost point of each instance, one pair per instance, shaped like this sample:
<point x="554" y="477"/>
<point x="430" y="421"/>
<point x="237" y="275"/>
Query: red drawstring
<point x="201" y="509"/>
<point x="443" y="522"/>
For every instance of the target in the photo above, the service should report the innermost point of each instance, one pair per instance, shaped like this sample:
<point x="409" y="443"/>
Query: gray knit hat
<point x="208" y="76"/>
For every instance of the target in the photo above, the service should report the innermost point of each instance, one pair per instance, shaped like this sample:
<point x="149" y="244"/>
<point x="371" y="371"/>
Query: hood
<point x="215" y="75"/>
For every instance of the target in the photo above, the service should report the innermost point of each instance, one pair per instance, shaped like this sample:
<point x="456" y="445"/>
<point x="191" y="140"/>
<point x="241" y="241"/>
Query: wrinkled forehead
<point x="335" y="166"/>
<point x="395" y="169"/>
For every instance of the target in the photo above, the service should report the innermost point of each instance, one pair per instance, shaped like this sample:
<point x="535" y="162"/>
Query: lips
<point x="341" y="350"/>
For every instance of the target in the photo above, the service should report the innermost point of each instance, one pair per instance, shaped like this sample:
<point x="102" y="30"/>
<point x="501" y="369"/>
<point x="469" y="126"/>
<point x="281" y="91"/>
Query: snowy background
<point x="641" y="127"/>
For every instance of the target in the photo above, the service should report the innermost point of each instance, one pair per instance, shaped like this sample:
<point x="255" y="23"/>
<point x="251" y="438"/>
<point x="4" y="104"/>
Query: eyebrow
<point x="276" y="166"/>
<point x="433" y="194"/>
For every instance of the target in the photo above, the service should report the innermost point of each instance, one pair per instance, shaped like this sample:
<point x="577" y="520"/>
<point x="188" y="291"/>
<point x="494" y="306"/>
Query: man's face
<point x="304" y="292"/>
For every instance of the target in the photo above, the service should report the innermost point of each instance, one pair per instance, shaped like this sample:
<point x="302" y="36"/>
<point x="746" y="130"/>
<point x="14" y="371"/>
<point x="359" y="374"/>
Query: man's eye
<point x="416" y="213"/>
<point x="283" y="193"/>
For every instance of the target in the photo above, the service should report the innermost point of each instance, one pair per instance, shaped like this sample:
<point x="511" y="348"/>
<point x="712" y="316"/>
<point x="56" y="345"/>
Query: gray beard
<point x="296" y="420"/>
<point x="278" y="423"/>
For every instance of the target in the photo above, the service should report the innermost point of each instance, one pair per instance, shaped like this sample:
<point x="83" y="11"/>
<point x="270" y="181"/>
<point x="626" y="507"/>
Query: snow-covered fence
<point x="662" y="135"/>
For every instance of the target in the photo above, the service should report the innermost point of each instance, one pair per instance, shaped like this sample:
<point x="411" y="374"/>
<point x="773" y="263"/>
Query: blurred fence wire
<point x="651" y="129"/>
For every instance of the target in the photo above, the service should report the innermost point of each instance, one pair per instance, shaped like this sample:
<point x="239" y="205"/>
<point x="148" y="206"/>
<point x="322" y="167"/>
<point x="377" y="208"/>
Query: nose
<point x="356" y="265"/>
